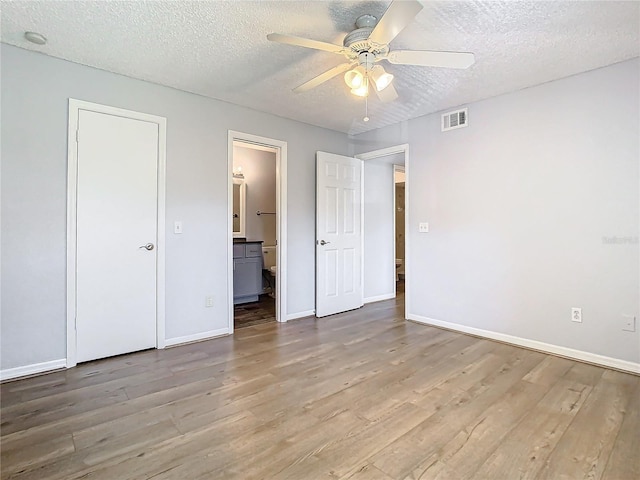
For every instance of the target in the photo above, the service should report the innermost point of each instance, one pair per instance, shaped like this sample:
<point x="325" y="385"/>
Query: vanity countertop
<point x="244" y="240"/>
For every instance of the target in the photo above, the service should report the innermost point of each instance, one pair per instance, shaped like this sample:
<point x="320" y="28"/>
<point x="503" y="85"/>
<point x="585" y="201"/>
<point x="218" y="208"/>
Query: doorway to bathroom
<point x="257" y="226"/>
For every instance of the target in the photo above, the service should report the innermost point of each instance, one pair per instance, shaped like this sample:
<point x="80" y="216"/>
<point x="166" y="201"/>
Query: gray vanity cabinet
<point x="247" y="272"/>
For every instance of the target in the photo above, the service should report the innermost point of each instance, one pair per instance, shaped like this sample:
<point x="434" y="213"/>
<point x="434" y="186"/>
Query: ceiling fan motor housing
<point x="358" y="41"/>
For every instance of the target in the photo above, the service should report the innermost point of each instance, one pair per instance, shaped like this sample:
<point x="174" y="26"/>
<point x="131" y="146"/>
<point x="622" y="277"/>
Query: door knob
<point x="148" y="246"/>
<point x="322" y="242"/>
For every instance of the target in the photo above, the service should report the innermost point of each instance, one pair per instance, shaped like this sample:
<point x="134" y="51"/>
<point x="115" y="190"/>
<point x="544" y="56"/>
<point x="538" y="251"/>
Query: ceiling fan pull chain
<point x="366" y="108"/>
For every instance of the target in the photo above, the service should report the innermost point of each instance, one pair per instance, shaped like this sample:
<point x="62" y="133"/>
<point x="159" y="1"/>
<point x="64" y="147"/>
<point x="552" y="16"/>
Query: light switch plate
<point x="177" y="227"/>
<point x="423" y="227"/>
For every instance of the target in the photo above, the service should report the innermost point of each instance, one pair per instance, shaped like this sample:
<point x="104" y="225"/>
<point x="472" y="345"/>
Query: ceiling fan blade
<point x="388" y="94"/>
<point x="428" y="58"/>
<point x="323" y="77"/>
<point x="305" y="42"/>
<point x="398" y="15"/>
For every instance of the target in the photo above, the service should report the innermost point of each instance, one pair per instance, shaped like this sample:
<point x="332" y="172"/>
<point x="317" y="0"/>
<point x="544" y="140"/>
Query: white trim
<point x="378" y="298"/>
<point x="160" y="258"/>
<point x="383" y="152"/>
<point x="72" y="183"/>
<point x="306" y="313"/>
<point x="279" y="147"/>
<point x="33" y="369"/>
<point x="393" y="226"/>
<point x="407" y="231"/>
<point x="533" y="344"/>
<point x="362" y="231"/>
<point x="404" y="148"/>
<point x="196" y="337"/>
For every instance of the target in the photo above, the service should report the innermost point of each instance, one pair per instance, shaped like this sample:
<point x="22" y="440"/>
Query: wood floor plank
<point x="624" y="461"/>
<point x="584" y="374"/>
<point x="526" y="448"/>
<point x="68" y="407"/>
<point x="17" y="458"/>
<point x="368" y="472"/>
<point x="123" y="443"/>
<point x="289" y="451"/>
<point x="414" y="451"/>
<point x="468" y="450"/>
<point x="360" y="395"/>
<point x="386" y="387"/>
<point x="342" y="455"/>
<point x="100" y="414"/>
<point x="549" y="370"/>
<point x="164" y="458"/>
<point x="584" y="450"/>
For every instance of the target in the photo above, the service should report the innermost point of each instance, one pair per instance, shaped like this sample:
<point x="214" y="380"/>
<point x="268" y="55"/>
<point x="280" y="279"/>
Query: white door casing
<point x="115" y="251"/>
<point x="404" y="150"/>
<point x="338" y="234"/>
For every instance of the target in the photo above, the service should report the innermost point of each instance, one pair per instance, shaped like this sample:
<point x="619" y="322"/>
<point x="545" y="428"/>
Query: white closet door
<point x="116" y="235"/>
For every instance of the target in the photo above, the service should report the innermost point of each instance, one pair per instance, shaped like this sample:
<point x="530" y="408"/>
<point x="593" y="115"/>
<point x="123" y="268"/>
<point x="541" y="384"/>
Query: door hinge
<point x="77" y="135"/>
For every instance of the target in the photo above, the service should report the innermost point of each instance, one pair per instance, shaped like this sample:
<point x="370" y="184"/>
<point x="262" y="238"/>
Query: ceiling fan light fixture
<point x="354" y="78"/>
<point x="381" y="78"/>
<point x="363" y="90"/>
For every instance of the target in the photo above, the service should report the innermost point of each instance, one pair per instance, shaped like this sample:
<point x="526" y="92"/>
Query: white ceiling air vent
<point x="457" y="119"/>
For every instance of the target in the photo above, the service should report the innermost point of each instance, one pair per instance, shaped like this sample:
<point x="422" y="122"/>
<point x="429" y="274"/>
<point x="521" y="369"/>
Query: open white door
<point x="338" y="234"/>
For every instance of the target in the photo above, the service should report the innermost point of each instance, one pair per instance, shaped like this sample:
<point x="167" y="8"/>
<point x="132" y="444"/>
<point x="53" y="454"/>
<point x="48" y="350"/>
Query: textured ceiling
<point x="219" y="49"/>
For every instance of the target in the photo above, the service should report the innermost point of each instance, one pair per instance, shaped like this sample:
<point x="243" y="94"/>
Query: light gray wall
<point x="520" y="205"/>
<point x="379" y="255"/>
<point x="35" y="90"/>
<point x="259" y="170"/>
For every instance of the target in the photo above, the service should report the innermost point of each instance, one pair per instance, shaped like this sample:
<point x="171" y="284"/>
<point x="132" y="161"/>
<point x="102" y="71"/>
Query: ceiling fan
<point x="367" y="45"/>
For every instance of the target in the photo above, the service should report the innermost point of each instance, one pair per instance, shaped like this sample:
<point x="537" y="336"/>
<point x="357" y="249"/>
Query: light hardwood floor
<point x="361" y="395"/>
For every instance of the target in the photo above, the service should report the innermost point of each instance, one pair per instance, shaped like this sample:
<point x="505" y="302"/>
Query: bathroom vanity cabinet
<point x="247" y="272"/>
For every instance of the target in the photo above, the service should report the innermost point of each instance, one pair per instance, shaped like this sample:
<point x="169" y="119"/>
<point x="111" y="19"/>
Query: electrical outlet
<point x="628" y="323"/>
<point x="423" y="227"/>
<point x="208" y="301"/>
<point x="576" y="314"/>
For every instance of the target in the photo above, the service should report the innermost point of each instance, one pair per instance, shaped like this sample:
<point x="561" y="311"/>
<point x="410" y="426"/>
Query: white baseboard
<point x="44" y="367"/>
<point x="378" y="298"/>
<point x="172" y="342"/>
<point x="533" y="344"/>
<point x="32" y="369"/>
<point x="294" y="316"/>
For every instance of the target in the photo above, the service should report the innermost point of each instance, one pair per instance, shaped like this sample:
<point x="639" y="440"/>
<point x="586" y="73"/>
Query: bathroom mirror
<point x="239" y="203"/>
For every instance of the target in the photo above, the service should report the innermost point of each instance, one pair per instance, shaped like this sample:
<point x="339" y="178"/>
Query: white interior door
<point x="116" y="235"/>
<point x="338" y="234"/>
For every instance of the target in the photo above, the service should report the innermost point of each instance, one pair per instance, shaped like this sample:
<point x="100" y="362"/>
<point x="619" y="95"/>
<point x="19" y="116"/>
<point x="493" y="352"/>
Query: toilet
<point x="269" y="259"/>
